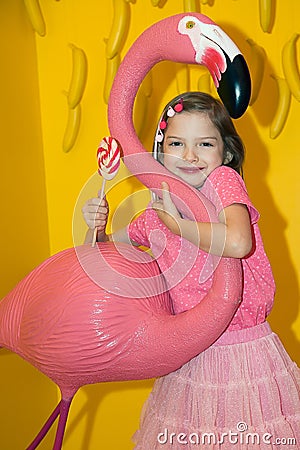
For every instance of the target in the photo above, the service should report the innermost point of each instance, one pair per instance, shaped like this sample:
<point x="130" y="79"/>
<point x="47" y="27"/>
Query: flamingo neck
<point x="160" y="46"/>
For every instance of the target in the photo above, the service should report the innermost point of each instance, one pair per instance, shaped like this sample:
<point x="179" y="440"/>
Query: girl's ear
<point x="228" y="157"/>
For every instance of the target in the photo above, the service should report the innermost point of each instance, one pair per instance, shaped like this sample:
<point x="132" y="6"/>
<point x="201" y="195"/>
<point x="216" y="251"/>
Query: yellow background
<point x="43" y="188"/>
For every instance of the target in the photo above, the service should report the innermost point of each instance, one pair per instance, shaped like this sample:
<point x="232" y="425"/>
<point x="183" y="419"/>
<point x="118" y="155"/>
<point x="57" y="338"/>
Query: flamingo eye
<point x="190" y="24"/>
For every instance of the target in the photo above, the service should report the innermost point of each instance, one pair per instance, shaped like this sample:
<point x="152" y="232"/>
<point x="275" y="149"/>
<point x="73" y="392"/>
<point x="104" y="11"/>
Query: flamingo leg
<point x="40" y="436"/>
<point x="63" y="415"/>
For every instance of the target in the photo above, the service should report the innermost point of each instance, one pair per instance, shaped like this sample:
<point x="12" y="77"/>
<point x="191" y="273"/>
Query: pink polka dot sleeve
<point x="224" y="187"/>
<point x="137" y="230"/>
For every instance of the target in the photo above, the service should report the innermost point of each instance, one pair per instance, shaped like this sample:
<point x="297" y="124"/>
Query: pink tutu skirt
<point x="241" y="393"/>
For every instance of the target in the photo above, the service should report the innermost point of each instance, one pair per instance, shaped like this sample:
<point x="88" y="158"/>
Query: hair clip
<point x="163" y="125"/>
<point x="176" y="109"/>
<point x="171" y="112"/>
<point x="179" y="106"/>
<point x="159" y="135"/>
<point x="163" y="122"/>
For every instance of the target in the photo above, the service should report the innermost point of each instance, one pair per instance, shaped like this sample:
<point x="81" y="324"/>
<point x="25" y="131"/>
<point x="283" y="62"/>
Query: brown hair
<point x="216" y="111"/>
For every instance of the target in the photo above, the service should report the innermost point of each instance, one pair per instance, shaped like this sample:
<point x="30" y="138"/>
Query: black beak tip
<point x="235" y="87"/>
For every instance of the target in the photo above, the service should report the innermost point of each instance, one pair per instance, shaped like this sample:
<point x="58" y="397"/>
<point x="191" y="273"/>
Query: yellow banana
<point x="35" y="16"/>
<point x="79" y="76"/>
<point x="158" y="3"/>
<point x="283" y="107"/>
<point x="147" y="85"/>
<point x="140" y="113"/>
<point x="182" y="78"/>
<point x="204" y="83"/>
<point x="258" y="67"/>
<point x="72" y="128"/>
<point x="119" y="28"/>
<point x="112" y="66"/>
<point x="289" y="65"/>
<point x="191" y="5"/>
<point x="265" y="14"/>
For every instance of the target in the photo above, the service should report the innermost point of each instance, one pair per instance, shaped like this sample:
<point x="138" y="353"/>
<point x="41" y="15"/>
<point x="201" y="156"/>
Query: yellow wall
<point x="24" y="221"/>
<point x="42" y="187"/>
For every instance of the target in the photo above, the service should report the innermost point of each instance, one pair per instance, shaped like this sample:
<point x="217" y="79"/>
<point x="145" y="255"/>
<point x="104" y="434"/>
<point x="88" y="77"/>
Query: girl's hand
<point x="166" y="210"/>
<point x="95" y="213"/>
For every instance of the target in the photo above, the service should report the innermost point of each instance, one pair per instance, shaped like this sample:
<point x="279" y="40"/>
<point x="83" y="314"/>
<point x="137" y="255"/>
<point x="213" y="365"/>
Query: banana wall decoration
<point x="74" y="96"/>
<point x="182" y="78"/>
<point x="142" y="104"/>
<point x="257" y="68"/>
<point x="204" y="83"/>
<point x="191" y="6"/>
<point x="72" y="128"/>
<point x="290" y="66"/>
<point x="283" y="107"/>
<point x="115" y="43"/>
<point x="111" y="70"/>
<point x="119" y="28"/>
<point x="79" y="76"/>
<point x="158" y="3"/>
<point x="286" y="86"/>
<point x="35" y="16"/>
<point x="265" y="14"/>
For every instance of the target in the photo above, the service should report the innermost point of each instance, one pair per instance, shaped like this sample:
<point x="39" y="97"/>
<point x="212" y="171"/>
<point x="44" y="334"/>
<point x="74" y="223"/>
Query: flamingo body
<point x="77" y="330"/>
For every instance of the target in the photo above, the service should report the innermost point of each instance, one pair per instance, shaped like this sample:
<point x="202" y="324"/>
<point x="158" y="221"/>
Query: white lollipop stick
<point x="108" y="156"/>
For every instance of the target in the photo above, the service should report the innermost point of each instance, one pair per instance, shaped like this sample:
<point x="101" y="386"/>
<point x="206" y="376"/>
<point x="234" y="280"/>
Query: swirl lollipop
<point x="108" y="156"/>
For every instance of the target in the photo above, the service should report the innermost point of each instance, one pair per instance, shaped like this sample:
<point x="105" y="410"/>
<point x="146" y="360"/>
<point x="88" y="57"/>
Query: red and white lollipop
<point x="108" y="157"/>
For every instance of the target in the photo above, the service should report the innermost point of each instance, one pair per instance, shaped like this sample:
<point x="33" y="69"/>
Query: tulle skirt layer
<point x="242" y="393"/>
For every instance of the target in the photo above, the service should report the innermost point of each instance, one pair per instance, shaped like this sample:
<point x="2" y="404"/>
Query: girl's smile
<point x="192" y="147"/>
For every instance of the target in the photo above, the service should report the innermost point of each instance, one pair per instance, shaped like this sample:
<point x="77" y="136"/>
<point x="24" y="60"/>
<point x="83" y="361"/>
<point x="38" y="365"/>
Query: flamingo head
<point x="191" y="39"/>
<point x="215" y="50"/>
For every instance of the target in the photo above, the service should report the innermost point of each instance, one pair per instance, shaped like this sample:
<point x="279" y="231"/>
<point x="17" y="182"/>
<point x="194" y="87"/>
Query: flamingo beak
<point x="226" y="63"/>
<point x="235" y="86"/>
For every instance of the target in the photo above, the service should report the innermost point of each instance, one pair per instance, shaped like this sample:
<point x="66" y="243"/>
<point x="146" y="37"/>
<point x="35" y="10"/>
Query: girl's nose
<point x="190" y="155"/>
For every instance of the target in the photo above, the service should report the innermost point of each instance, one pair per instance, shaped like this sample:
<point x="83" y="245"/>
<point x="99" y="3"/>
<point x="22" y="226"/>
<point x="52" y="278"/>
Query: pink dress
<point x="244" y="391"/>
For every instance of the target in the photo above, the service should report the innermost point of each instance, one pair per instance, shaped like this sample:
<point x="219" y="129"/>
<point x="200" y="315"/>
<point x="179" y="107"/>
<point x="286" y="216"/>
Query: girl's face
<point x="192" y="147"/>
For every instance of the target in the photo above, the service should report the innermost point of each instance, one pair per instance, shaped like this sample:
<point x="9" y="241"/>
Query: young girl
<point x="244" y="391"/>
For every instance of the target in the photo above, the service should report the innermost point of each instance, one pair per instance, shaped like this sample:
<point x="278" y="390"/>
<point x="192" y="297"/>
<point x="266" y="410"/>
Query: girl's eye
<point x="206" y="144"/>
<point x="175" y="144"/>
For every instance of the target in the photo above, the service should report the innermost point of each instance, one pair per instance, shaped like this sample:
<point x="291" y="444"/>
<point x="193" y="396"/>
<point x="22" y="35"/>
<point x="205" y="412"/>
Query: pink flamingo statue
<point x="77" y="333"/>
<point x="90" y="315"/>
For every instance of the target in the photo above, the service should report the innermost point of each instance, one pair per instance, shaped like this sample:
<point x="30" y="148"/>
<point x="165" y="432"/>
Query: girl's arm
<point x="230" y="237"/>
